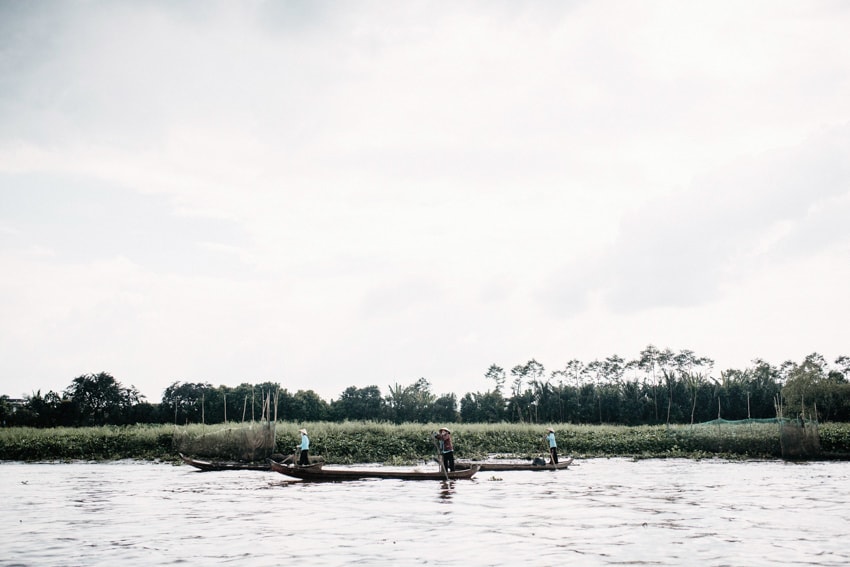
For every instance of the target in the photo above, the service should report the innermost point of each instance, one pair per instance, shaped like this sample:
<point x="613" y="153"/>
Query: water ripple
<point x="601" y="512"/>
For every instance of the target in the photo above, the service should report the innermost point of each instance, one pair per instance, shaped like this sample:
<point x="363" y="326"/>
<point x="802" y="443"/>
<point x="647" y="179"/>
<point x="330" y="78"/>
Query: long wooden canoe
<point x="223" y="465"/>
<point x="495" y="466"/>
<point x="319" y="473"/>
<point x="235" y="466"/>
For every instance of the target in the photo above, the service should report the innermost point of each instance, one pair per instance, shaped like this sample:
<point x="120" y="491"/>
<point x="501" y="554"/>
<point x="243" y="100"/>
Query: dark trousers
<point x="449" y="460"/>
<point x="553" y="452"/>
<point x="304" y="459"/>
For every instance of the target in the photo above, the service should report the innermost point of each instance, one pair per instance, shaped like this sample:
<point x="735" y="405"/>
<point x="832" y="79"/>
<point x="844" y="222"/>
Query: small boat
<point x="496" y="466"/>
<point x="319" y="473"/>
<point x="236" y="466"/>
<point x="223" y="465"/>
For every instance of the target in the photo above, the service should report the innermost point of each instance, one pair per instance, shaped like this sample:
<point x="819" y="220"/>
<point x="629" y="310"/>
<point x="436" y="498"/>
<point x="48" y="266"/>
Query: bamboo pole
<point x="274" y="426"/>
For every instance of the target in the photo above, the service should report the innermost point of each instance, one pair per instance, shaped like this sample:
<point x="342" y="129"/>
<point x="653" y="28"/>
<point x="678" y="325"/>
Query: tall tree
<point x="497" y="375"/>
<point x="649" y="363"/>
<point x="519" y="372"/>
<point x="358" y="404"/>
<point x="444" y="409"/>
<point x="411" y="403"/>
<point x="184" y="401"/>
<point x="309" y="406"/>
<point x="100" y="399"/>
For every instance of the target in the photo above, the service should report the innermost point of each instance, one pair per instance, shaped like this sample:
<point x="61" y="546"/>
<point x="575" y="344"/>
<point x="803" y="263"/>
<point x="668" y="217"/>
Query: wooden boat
<point x="234" y="466"/>
<point x="223" y="465"/>
<point x="319" y="473"/>
<point x="496" y="466"/>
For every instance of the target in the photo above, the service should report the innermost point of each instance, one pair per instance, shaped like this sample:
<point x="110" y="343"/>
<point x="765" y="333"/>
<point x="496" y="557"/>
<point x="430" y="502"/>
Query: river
<point x="599" y="512"/>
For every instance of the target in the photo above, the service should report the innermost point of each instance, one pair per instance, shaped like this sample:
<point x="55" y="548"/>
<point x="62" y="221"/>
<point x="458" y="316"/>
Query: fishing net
<point x="248" y="442"/>
<point x="788" y="438"/>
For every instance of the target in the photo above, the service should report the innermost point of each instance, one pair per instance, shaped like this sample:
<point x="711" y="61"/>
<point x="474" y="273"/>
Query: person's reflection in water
<point x="447" y="489"/>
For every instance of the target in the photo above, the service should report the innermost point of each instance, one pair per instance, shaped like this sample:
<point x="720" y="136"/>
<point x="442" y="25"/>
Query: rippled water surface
<point x="599" y="512"/>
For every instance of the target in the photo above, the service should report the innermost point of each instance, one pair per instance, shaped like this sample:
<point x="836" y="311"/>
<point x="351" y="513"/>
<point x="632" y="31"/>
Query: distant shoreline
<point x="360" y="442"/>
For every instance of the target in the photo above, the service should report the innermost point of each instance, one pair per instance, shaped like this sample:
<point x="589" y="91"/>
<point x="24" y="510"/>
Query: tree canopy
<point x="659" y="386"/>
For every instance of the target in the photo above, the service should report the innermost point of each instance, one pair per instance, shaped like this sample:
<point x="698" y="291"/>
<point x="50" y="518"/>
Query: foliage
<point x="101" y="399"/>
<point x="489" y="407"/>
<point x="362" y="442"/>
<point x="658" y="387"/>
<point x="410" y="403"/>
<point x="835" y="438"/>
<point x="359" y="404"/>
<point x="86" y="443"/>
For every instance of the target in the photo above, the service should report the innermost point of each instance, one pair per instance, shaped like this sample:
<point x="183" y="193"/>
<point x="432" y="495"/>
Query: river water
<point x="599" y="512"/>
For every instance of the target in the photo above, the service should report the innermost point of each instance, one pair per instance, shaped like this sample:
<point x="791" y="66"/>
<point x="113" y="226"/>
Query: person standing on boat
<point x="304" y="459"/>
<point x="553" y="447"/>
<point x="446" y="448"/>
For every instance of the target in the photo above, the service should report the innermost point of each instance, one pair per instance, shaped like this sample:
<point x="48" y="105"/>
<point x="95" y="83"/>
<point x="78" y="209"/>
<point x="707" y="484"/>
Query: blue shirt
<point x="551" y="439"/>
<point x="305" y="443"/>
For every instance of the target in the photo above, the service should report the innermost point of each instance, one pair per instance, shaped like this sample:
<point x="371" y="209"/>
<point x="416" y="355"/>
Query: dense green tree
<point x="53" y="410"/>
<point x="184" y="401"/>
<point x="803" y="385"/>
<point x="842" y="365"/>
<point x="489" y="407"/>
<point x="816" y="390"/>
<point x="523" y="407"/>
<point x="48" y="410"/>
<point x="764" y="389"/>
<point x="634" y="407"/>
<point x="444" y="409"/>
<point x="411" y="403"/>
<point x="307" y="405"/>
<point x="359" y="404"/>
<point x="5" y="410"/>
<point x="649" y="363"/>
<point x="100" y="399"/>
<point x="609" y="390"/>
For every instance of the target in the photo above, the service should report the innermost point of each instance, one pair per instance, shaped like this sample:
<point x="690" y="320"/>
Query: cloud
<point x="81" y="220"/>
<point x="685" y="248"/>
<point x="342" y="194"/>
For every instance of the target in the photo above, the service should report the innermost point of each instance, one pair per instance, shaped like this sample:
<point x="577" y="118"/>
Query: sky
<point x="336" y="194"/>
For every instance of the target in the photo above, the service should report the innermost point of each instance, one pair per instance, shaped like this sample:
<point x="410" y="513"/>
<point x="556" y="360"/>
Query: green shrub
<point x="361" y="442"/>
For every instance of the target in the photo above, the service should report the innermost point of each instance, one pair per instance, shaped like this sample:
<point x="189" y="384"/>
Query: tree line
<point x="659" y="386"/>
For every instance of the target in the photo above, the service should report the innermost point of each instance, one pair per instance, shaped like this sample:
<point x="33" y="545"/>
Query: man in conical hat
<point x="553" y="447"/>
<point x="304" y="459"/>
<point x="448" y="450"/>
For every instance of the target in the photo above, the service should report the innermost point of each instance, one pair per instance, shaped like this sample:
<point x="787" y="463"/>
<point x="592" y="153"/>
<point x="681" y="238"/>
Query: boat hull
<point x="318" y="473"/>
<point x="491" y="466"/>
<point x="223" y="466"/>
<point x="234" y="466"/>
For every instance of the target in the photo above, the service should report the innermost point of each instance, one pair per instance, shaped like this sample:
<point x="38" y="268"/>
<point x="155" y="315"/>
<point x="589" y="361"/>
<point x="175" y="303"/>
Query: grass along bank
<point x="359" y="442"/>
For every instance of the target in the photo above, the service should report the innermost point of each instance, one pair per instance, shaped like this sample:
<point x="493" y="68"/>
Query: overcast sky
<point x="334" y="194"/>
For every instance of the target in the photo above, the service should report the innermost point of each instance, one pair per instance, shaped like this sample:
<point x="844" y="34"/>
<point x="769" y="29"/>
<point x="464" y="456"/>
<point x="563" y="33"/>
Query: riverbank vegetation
<point x="658" y="387"/>
<point x="367" y="442"/>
